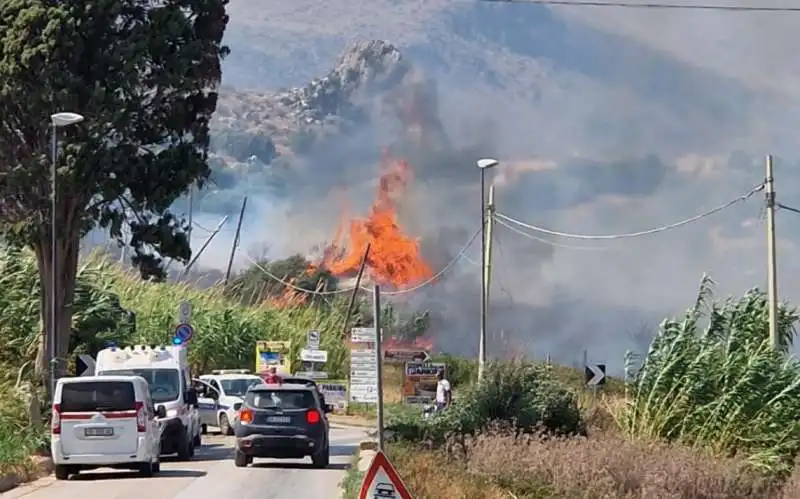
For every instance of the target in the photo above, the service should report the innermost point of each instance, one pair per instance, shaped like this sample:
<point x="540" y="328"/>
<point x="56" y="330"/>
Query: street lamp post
<point x="483" y="165"/>
<point x="57" y="120"/>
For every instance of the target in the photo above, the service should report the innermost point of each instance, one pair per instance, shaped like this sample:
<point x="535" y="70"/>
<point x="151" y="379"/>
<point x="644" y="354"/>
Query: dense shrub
<point x="522" y="394"/>
<point x="722" y="387"/>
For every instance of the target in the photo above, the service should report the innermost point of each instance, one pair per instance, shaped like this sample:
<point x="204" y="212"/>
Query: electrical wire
<point x="547" y="241"/>
<point x="428" y="281"/>
<point x="787" y="208"/>
<point x="647" y="232"/>
<point x="650" y="5"/>
<point x="437" y="275"/>
<point x="293" y="286"/>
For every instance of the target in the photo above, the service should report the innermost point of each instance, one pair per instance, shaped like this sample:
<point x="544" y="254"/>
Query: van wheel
<point x="146" y="470"/>
<point x="62" y="472"/>
<point x="204" y="429"/>
<point x="185" y="448"/>
<point x="225" y="425"/>
<point x="157" y="467"/>
<point x="322" y="459"/>
<point x="240" y="459"/>
<point x="197" y="441"/>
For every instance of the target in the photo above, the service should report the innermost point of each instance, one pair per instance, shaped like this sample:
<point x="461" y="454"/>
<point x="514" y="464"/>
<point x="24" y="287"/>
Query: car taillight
<point x="141" y="418"/>
<point x="313" y="416"/>
<point x="55" y="420"/>
<point x="245" y="416"/>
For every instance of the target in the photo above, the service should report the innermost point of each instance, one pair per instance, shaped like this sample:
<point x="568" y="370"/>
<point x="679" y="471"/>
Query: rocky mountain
<point x="605" y="121"/>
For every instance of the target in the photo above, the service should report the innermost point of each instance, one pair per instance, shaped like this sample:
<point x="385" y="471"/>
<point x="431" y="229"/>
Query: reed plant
<point x="713" y="380"/>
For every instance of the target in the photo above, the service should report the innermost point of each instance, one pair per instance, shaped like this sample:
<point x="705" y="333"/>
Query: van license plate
<point x="278" y="419"/>
<point x="98" y="432"/>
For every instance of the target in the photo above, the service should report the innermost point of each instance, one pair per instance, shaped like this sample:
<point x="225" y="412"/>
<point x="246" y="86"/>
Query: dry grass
<point x="497" y="464"/>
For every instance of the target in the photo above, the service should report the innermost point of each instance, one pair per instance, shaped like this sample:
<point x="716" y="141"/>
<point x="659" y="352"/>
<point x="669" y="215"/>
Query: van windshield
<point x="98" y="396"/>
<point x="164" y="384"/>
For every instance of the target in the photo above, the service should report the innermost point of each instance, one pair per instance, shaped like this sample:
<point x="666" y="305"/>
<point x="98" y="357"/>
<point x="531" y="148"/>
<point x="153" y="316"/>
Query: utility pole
<point x="235" y="241"/>
<point x="487" y="270"/>
<point x="356" y="289"/>
<point x="483" y="165"/>
<point x="204" y="246"/>
<point x="772" y="263"/>
<point x="376" y="305"/>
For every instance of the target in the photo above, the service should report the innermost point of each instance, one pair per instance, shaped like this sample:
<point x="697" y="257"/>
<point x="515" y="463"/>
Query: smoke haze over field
<point x="605" y="120"/>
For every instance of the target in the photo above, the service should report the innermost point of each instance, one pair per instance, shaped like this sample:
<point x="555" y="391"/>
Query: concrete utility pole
<point x="483" y="165"/>
<point x="487" y="270"/>
<point x="772" y="263"/>
<point x="235" y="241"/>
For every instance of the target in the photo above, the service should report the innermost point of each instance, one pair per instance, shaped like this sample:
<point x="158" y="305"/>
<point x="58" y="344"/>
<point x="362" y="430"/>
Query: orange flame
<point x="394" y="258"/>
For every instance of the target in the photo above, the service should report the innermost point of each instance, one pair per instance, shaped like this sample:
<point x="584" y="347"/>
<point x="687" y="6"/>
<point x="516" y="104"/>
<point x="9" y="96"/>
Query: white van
<point x="166" y="370"/>
<point x="104" y="421"/>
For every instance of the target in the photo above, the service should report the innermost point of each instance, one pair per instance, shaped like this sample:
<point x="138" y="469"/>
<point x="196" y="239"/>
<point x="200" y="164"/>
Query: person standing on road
<point x="272" y="377"/>
<point x="444" y="396"/>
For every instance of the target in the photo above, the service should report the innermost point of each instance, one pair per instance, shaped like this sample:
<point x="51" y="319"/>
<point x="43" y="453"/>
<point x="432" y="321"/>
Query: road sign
<point x="184" y="332"/>
<point x="362" y="335"/>
<point x="335" y="393"/>
<point x="406" y="355"/>
<point x="595" y="374"/>
<point x="307" y="355"/>
<point x="84" y="365"/>
<point x="312" y="340"/>
<point x="185" y="312"/>
<point x="420" y="382"/>
<point x="382" y="481"/>
<point x="364" y="376"/>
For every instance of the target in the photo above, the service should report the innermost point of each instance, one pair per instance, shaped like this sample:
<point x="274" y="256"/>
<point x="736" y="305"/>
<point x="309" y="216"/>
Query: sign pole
<point x="376" y="305"/>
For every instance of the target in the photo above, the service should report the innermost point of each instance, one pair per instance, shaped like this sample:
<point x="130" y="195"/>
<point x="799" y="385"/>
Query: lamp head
<point x="487" y="163"/>
<point x="65" y="119"/>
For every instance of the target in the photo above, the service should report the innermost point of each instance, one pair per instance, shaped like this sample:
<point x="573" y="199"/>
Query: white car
<point x="105" y="422"/>
<point x="220" y="396"/>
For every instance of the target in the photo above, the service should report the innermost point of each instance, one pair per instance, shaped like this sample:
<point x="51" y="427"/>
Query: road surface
<point x="211" y="474"/>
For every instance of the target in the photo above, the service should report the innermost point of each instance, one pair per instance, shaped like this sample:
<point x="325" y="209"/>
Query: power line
<point x="650" y="5"/>
<point x="655" y="230"/>
<point x="787" y="208"/>
<point x="547" y="241"/>
<point x="428" y="281"/>
<point x="437" y="275"/>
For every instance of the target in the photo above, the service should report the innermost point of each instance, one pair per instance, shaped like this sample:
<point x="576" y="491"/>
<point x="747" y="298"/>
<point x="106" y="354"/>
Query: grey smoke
<point x="606" y="121"/>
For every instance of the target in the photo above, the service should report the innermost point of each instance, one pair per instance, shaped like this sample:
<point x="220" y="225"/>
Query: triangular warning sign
<point x="382" y="481"/>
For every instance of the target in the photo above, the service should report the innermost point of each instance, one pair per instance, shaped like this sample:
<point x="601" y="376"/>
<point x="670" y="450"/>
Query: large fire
<point x="394" y="258"/>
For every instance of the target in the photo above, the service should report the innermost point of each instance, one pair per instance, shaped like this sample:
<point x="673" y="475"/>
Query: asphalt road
<point x="211" y="474"/>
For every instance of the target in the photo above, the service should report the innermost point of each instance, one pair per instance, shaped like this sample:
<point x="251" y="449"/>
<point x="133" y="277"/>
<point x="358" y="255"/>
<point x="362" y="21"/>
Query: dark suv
<point x="285" y="421"/>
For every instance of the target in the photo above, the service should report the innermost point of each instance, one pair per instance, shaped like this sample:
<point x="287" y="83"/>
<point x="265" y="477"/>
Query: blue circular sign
<point x="184" y="332"/>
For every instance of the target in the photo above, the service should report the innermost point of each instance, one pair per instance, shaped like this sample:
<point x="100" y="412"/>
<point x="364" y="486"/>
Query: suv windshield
<point x="164" y="384"/>
<point x="238" y="387"/>
<point x="98" y="396"/>
<point x="281" y="399"/>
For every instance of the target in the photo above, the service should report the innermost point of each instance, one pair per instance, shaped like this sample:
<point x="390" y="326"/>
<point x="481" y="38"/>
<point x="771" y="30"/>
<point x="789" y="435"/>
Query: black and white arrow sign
<point x="595" y="374"/>
<point x="84" y="365"/>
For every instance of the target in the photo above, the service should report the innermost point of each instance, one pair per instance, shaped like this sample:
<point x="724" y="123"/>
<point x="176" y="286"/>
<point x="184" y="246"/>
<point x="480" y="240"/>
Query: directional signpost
<point x="406" y="355"/>
<point x="382" y="481"/>
<point x="363" y="376"/>
<point x="313" y="358"/>
<point x="595" y="374"/>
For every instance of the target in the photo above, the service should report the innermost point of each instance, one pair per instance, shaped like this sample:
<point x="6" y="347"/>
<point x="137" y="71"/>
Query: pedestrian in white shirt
<point x="444" y="395"/>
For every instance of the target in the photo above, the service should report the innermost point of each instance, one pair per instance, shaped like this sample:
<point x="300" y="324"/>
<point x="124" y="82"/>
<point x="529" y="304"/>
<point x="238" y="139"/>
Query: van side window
<point x="215" y="385"/>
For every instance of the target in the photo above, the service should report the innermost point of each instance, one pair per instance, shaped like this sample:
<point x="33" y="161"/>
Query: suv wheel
<point x="62" y="472"/>
<point x="322" y="458"/>
<point x="240" y="459"/>
<point x="225" y="425"/>
<point x="146" y="469"/>
<point x="185" y="448"/>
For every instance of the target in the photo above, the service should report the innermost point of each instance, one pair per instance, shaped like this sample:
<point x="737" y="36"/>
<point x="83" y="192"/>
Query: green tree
<point x="145" y="76"/>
